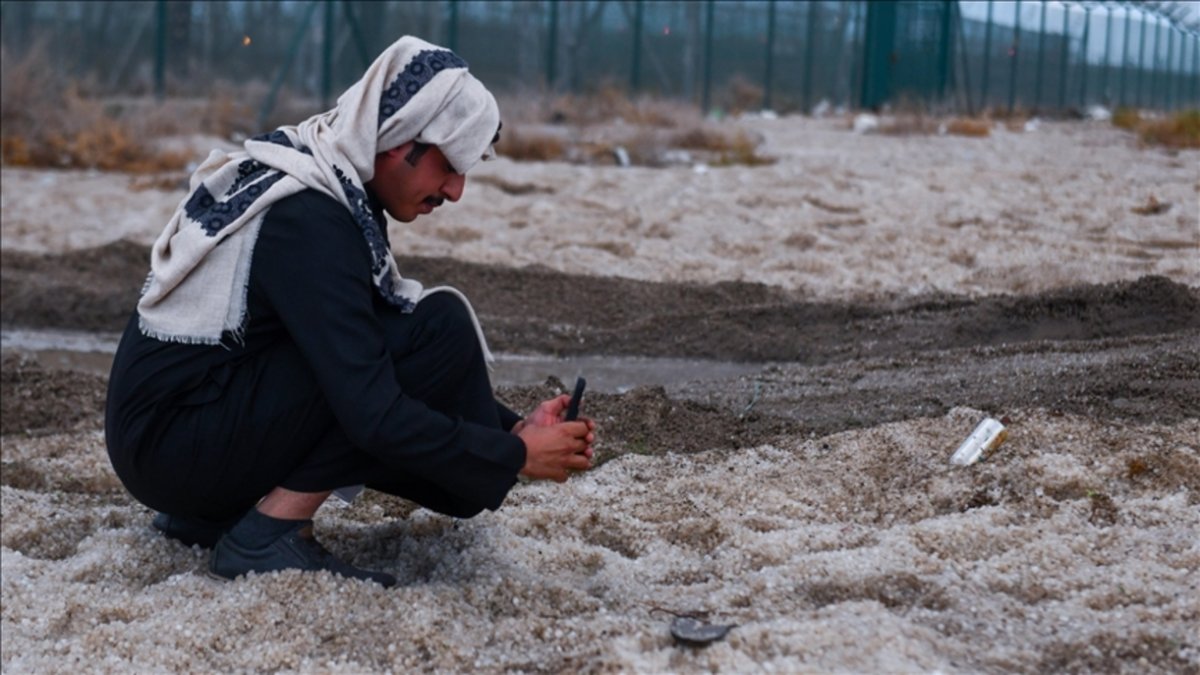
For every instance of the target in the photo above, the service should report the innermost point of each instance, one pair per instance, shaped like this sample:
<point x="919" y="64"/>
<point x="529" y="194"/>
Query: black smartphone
<point x="573" y="406"/>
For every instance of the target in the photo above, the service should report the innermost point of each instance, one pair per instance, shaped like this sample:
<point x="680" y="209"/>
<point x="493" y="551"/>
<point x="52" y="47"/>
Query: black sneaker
<point x="192" y="531"/>
<point x="296" y="549"/>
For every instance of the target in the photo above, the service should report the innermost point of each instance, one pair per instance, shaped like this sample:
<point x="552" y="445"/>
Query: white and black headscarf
<point x="200" y="264"/>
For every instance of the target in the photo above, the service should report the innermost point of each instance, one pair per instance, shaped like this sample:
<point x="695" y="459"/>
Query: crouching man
<point x="277" y="354"/>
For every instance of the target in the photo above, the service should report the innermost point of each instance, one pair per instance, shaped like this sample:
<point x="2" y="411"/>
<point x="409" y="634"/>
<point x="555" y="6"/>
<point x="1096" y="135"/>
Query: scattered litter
<point x="753" y="400"/>
<point x="865" y="123"/>
<point x="700" y="167"/>
<point x="1152" y="207"/>
<point x="696" y="633"/>
<point x="675" y="156"/>
<point x="822" y="108"/>
<point x="986" y="437"/>
<point x="691" y="628"/>
<point x="622" y="156"/>
<point x="1099" y="113"/>
<point x="1032" y="124"/>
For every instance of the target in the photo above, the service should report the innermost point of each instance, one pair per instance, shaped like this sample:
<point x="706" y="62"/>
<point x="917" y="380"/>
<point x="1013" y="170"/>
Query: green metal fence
<point x="968" y="55"/>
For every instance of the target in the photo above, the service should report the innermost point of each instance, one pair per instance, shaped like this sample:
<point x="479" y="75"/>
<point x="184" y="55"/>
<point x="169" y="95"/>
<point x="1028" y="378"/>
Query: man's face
<point x="409" y="184"/>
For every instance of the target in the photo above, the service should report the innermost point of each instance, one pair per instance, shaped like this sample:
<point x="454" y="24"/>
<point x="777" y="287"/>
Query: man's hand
<point x="553" y="451"/>
<point x="550" y="412"/>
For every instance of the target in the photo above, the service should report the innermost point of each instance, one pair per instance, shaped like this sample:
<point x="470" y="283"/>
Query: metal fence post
<point x="1125" y="53"/>
<point x="1170" y="75"/>
<point x="635" y="70"/>
<point x="859" y="50"/>
<point x="962" y="50"/>
<point x="845" y="9"/>
<point x="1066" y="58"/>
<point x="987" y="58"/>
<point x="293" y="49"/>
<point x="1016" y="56"/>
<point x="944" y="50"/>
<point x="360" y="42"/>
<point x="768" y="75"/>
<point x="160" y="51"/>
<point x="1041" y="59"/>
<point x="1153" y="64"/>
<point x="1083" y="77"/>
<point x="327" y="58"/>
<point x="878" y="44"/>
<point x="808" y="56"/>
<point x="552" y="46"/>
<point x="1107" y="58"/>
<point x="708" y="49"/>
<point x="1141" y="61"/>
<point x="452" y="38"/>
<point x="1196" y="70"/>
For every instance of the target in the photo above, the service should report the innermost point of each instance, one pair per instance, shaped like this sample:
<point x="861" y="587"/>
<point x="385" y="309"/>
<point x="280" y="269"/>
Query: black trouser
<point x="272" y="426"/>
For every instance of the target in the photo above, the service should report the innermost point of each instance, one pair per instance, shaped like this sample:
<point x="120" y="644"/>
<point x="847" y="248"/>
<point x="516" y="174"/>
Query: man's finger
<point x="578" y="463"/>
<point x="576" y="429"/>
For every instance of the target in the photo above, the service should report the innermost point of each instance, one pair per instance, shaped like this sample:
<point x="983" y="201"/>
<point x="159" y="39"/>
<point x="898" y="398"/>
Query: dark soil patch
<point x="34" y="400"/>
<point x="92" y="289"/>
<point x="647" y="421"/>
<point x="1127" y="350"/>
<point x="535" y="310"/>
<point x="1141" y="380"/>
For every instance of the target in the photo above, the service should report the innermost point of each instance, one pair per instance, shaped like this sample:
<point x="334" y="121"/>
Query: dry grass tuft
<point x="1180" y="130"/>
<point x="966" y="126"/>
<point x="46" y="121"/>
<point x="909" y="124"/>
<point x="918" y="123"/>
<point x="1126" y="118"/>
<point x="1152" y="207"/>
<point x="743" y="95"/>
<point x="608" y="103"/>
<point x="728" y="148"/>
<point x="525" y="146"/>
<point x="634" y="145"/>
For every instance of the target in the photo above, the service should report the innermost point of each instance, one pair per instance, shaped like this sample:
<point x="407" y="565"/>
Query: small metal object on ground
<point x="696" y="633"/>
<point x="986" y="437"/>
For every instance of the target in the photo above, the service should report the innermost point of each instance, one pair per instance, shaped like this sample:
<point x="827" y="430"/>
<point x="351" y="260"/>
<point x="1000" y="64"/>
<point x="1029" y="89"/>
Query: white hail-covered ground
<point x="864" y="551"/>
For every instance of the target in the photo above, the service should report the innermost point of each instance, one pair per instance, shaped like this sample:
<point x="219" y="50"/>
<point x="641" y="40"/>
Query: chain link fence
<point x="968" y="56"/>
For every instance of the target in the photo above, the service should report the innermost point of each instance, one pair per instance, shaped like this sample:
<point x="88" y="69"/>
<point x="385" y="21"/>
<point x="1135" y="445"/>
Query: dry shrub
<point x="909" y="125"/>
<point x="703" y="138"/>
<point x="1013" y="120"/>
<point x="743" y="152"/>
<point x="743" y="95"/>
<point x="46" y="122"/>
<point x="608" y="102"/>
<point x="1126" y="118"/>
<point x="965" y="126"/>
<point x="526" y="146"/>
<point x="1180" y="130"/>
<point x="737" y="147"/>
<point x="227" y="114"/>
